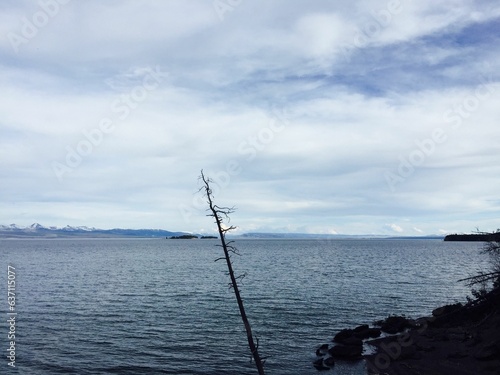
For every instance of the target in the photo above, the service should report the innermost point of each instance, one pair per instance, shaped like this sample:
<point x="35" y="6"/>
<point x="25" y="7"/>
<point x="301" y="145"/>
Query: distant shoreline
<point x="39" y="231"/>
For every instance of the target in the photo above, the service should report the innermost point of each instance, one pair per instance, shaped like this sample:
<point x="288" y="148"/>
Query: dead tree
<point x="219" y="214"/>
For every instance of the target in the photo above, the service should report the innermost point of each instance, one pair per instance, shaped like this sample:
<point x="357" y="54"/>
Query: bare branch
<point x="224" y="209"/>
<point x="491" y="248"/>
<point x="481" y="278"/>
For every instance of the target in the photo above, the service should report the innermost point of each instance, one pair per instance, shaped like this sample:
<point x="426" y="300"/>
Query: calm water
<point x="163" y="306"/>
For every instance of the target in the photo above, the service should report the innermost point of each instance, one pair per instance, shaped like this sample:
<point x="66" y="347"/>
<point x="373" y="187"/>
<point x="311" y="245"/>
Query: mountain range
<point x="38" y="230"/>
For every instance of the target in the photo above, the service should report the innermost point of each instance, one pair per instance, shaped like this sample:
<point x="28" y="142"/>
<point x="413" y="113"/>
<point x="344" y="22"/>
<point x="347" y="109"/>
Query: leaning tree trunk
<point x="218" y="213"/>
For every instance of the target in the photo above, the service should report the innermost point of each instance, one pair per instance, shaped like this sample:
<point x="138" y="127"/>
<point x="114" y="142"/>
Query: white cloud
<point x="319" y="35"/>
<point x="349" y="119"/>
<point x="396" y="228"/>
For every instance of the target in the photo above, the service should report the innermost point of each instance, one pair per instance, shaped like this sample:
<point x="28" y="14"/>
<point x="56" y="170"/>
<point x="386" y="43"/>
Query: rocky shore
<point x="456" y="340"/>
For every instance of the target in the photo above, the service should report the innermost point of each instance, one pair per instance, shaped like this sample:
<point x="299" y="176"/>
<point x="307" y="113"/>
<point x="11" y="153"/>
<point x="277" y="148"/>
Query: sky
<point x="349" y="117"/>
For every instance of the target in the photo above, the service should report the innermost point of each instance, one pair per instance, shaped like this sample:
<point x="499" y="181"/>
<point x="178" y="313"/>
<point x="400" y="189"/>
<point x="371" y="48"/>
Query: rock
<point x="395" y="324"/>
<point x="362" y="331"/>
<point x="342" y="335"/>
<point x="322" y="350"/>
<point x="368" y="333"/>
<point x="445" y="310"/>
<point x="378" y="323"/>
<point x="346" y="352"/>
<point x="355" y="337"/>
<point x="348" y="337"/>
<point x="374" y="332"/>
<point x="318" y="365"/>
<point x="330" y="362"/>
<point x="352" y="341"/>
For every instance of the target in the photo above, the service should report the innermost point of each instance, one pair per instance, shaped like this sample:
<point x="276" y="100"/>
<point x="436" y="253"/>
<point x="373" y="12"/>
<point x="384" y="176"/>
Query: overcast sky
<point x="320" y="116"/>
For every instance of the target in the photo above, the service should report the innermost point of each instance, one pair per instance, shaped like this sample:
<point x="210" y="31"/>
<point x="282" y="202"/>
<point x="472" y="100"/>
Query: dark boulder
<point x="365" y="332"/>
<point x="322" y="350"/>
<point x="445" y="310"/>
<point x="330" y="362"/>
<point x="346" y="351"/>
<point x="352" y="341"/>
<point x="347" y="337"/>
<point x="343" y="335"/>
<point x="361" y="328"/>
<point x="395" y="324"/>
<point x="374" y="333"/>
<point x="319" y="365"/>
<point x="362" y="331"/>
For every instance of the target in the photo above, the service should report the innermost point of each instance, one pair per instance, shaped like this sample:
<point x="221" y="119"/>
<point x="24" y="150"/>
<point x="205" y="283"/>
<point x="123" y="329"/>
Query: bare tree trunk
<point x="218" y="213"/>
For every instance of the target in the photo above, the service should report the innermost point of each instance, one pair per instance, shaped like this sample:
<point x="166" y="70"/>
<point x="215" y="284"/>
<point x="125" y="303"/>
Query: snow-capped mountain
<point x="38" y="230"/>
<point x="34" y="227"/>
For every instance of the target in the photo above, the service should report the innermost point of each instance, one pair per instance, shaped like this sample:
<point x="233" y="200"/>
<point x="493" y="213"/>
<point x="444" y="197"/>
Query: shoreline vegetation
<point x="458" y="339"/>
<point x="476" y="237"/>
<point x="490" y="237"/>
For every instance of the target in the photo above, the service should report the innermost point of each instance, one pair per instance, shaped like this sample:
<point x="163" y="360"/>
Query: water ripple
<point x="163" y="307"/>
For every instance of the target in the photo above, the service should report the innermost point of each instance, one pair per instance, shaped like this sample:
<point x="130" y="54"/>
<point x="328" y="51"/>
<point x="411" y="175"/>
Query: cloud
<point x="396" y="228"/>
<point x="298" y="122"/>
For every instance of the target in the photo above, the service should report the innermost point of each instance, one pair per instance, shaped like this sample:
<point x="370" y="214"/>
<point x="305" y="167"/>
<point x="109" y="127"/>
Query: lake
<point x="156" y="306"/>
